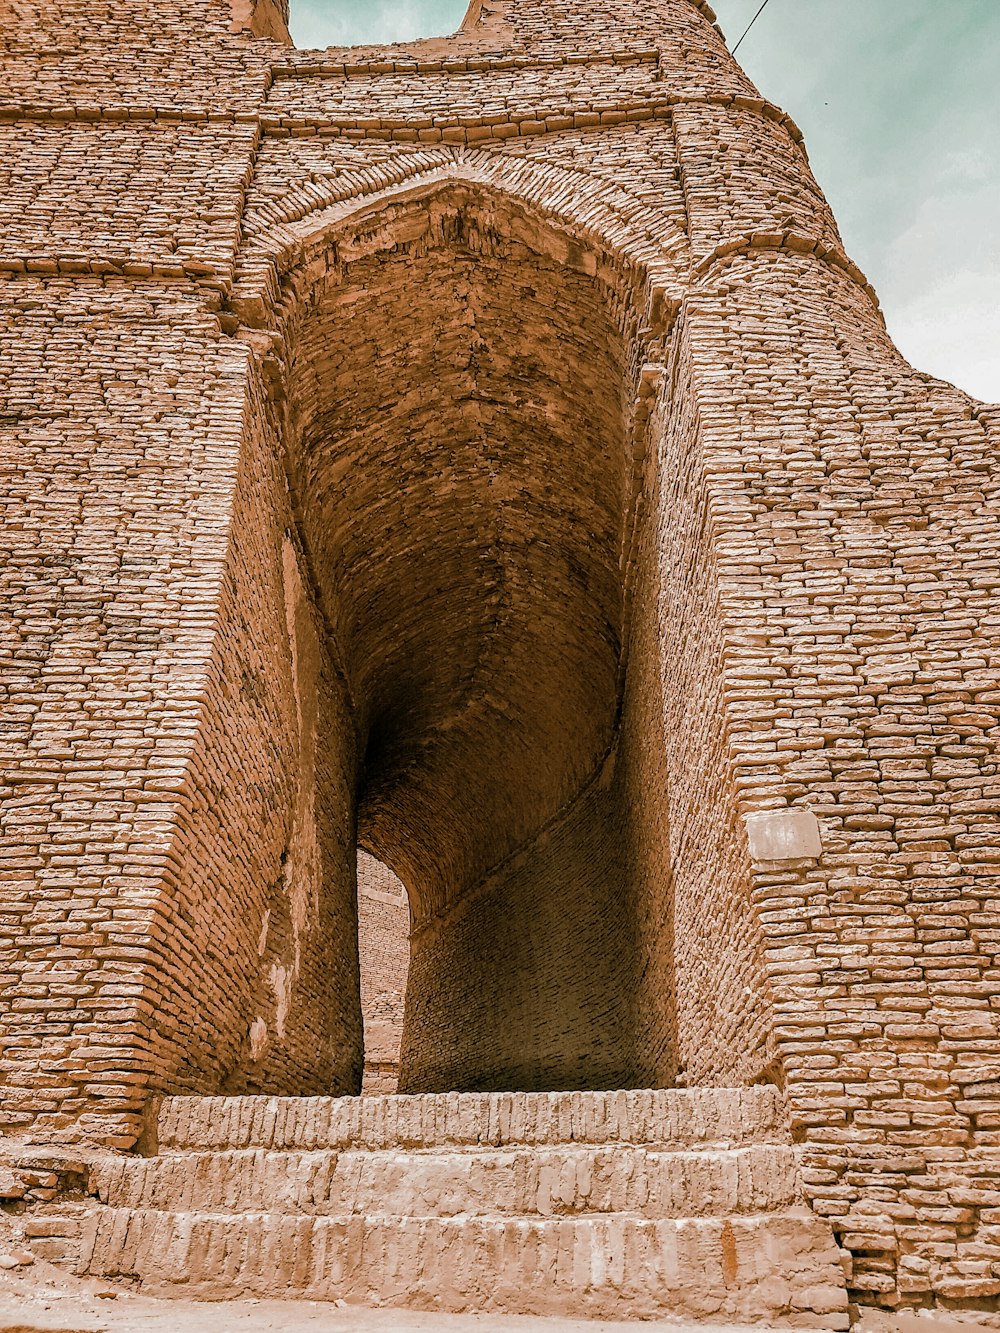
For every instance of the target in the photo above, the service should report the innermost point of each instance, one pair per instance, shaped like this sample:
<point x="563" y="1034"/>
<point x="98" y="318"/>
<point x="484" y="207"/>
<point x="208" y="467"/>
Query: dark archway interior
<point x="462" y="486"/>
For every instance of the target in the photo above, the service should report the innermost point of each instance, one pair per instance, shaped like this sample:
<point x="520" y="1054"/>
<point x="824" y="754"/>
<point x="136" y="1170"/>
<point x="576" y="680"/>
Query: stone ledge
<point x="657" y="1117"/>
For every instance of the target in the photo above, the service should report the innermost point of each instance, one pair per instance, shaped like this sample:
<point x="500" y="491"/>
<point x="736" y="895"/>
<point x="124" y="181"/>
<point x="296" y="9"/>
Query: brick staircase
<point x="601" y="1204"/>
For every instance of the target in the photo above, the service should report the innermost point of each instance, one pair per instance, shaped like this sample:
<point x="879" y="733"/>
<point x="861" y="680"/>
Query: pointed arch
<point x="594" y="221"/>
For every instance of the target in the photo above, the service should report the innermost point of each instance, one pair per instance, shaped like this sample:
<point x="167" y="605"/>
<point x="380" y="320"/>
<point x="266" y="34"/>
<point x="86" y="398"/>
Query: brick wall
<point x="864" y="679"/>
<point x="484" y="450"/>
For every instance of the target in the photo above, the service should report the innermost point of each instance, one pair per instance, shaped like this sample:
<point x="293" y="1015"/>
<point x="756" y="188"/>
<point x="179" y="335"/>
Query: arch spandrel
<point x="586" y="220"/>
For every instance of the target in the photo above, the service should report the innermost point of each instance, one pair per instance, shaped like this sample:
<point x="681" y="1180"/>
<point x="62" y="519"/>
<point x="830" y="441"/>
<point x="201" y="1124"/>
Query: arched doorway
<point x="459" y="435"/>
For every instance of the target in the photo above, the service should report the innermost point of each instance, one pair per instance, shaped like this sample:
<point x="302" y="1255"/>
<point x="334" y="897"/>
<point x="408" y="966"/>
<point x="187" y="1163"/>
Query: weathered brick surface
<point x="679" y="1202"/>
<point x="664" y="1117"/>
<point x="484" y="451"/>
<point x="778" y="1268"/>
<point x="81" y="193"/>
<point x="122" y="60"/>
<point x="121" y="420"/>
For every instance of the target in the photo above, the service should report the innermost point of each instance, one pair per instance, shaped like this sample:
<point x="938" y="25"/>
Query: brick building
<point x="483" y="452"/>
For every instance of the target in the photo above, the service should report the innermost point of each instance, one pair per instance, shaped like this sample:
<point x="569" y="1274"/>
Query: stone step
<point x="560" y="1180"/>
<point x="782" y="1268"/>
<point x="664" y="1118"/>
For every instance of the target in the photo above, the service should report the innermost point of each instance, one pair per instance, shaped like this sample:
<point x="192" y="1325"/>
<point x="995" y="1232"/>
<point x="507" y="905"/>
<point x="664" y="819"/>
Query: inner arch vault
<point x="460" y="387"/>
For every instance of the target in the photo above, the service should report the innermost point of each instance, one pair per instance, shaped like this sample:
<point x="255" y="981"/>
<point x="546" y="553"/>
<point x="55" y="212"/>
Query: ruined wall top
<point x="102" y="60"/>
<point x="583" y="21"/>
<point x="50" y="35"/>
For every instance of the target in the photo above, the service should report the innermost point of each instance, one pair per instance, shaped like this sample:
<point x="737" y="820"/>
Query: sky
<point x="899" y="101"/>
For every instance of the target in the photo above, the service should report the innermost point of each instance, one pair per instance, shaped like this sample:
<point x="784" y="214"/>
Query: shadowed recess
<point x="463" y="489"/>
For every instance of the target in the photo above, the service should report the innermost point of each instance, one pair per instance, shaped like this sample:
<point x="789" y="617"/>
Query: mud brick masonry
<point x="482" y="452"/>
<point x="384" y="955"/>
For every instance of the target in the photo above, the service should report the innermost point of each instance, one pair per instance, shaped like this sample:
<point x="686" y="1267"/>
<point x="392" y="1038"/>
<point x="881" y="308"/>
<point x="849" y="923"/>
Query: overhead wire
<point x="750" y="24"/>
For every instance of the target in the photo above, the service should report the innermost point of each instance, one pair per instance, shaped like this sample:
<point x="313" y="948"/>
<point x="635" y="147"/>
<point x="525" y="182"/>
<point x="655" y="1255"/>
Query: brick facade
<point x="483" y="451"/>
